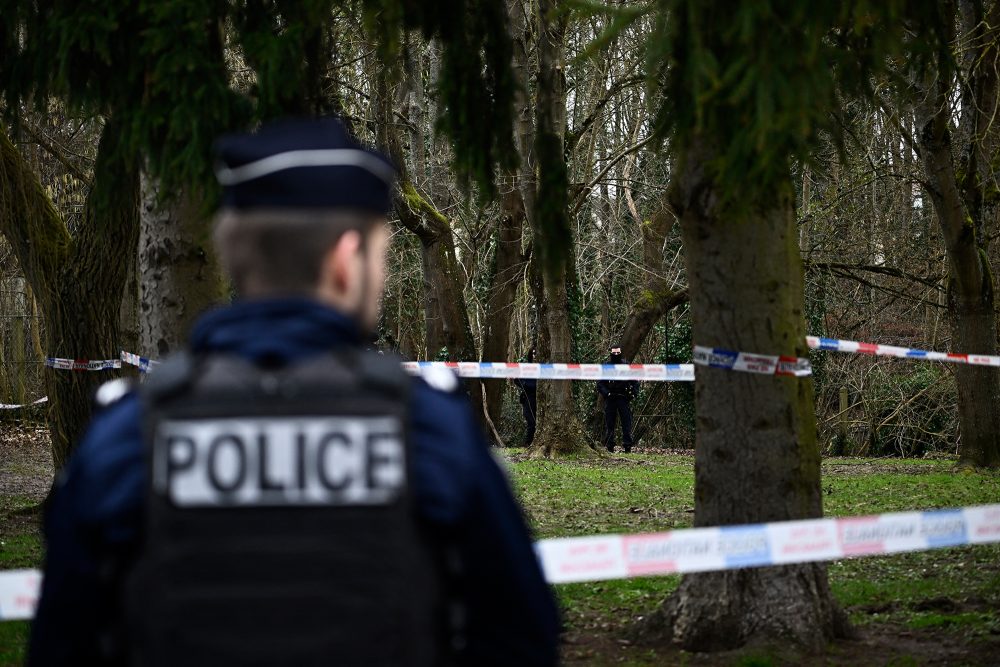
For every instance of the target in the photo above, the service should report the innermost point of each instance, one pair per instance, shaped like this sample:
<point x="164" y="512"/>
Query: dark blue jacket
<point x="528" y="389"/>
<point x="93" y="524"/>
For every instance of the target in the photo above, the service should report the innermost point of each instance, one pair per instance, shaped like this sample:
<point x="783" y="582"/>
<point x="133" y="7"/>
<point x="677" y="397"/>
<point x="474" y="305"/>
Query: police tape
<point x="702" y="356"/>
<point x="15" y="406"/>
<point x="82" y="364"/>
<point x="576" y="559"/>
<point x="874" y="349"/>
<point x="500" y="370"/>
<point x="600" y="557"/>
<point x="747" y="362"/>
<point x="145" y="365"/>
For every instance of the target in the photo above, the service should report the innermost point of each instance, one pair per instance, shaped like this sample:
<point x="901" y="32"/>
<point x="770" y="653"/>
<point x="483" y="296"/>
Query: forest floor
<point x="927" y="608"/>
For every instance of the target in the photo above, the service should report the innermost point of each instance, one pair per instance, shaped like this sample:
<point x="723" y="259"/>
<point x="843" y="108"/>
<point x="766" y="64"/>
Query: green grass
<point x="948" y="592"/>
<point x="20" y="547"/>
<point x="645" y="492"/>
<point x="13" y="639"/>
<point x="18" y="551"/>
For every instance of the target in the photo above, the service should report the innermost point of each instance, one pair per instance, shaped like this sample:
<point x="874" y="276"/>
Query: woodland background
<point x="463" y="283"/>
<point x="573" y="174"/>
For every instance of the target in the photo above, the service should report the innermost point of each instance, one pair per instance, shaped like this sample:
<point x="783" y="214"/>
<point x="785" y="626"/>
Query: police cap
<point x="302" y="164"/>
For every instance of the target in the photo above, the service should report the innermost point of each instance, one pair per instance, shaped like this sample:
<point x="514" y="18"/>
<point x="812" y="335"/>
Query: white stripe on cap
<point x="330" y="157"/>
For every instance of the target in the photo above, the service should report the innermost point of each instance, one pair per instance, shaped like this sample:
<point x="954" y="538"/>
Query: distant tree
<point x="960" y="176"/>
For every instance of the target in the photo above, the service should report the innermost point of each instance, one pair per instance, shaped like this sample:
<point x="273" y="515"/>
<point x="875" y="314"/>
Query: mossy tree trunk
<point x="756" y="457"/>
<point x="78" y="278"/>
<point x="959" y="196"/>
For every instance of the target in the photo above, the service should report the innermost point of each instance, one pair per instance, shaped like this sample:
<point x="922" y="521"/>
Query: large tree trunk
<point x="756" y="458"/>
<point x="79" y="280"/>
<point x="971" y="303"/>
<point x="559" y="431"/>
<point x="508" y="268"/>
<point x="959" y="204"/>
<point x="179" y="275"/>
<point x="447" y="319"/>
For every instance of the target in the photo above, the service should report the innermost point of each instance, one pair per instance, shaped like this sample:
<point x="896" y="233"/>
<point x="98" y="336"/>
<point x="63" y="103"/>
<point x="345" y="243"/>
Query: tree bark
<point x="559" y="431"/>
<point x="959" y="204"/>
<point x="756" y="457"/>
<point x="179" y="274"/>
<point x="128" y="314"/>
<point x="78" y="280"/>
<point x="508" y="269"/>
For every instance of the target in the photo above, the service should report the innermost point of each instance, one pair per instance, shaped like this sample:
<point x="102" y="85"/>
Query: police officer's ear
<point x="339" y="274"/>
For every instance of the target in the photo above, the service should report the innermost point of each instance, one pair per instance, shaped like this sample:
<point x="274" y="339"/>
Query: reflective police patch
<point x="112" y="392"/>
<point x="280" y="461"/>
<point x="440" y="378"/>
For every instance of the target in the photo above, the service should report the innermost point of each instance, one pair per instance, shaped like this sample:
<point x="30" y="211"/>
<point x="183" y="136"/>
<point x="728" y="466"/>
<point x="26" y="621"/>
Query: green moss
<point x="418" y="204"/>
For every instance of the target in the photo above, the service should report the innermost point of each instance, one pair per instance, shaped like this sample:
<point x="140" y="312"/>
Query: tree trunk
<point x="179" y="275"/>
<point x="559" y="431"/>
<point x="508" y="267"/>
<point x="128" y="314"/>
<point x="959" y="204"/>
<point x="971" y="303"/>
<point x="78" y="281"/>
<point x="756" y="458"/>
<point x="446" y="316"/>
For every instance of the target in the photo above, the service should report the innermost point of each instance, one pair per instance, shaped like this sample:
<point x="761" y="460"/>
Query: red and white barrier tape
<point x="854" y="347"/>
<point x="598" y="557"/>
<point x="487" y="370"/>
<point x="703" y="356"/>
<point x="82" y="364"/>
<point x="747" y="362"/>
<point x="145" y="365"/>
<point x="573" y="559"/>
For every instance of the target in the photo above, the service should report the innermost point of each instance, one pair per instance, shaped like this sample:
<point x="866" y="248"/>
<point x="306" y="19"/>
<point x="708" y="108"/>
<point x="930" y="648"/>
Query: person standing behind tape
<point x="618" y="395"/>
<point x="528" y="397"/>
<point x="275" y="495"/>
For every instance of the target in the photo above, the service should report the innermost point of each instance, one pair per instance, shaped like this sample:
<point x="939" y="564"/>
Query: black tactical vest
<point x="280" y="527"/>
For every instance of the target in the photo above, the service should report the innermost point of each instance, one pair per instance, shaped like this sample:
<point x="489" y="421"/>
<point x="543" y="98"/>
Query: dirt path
<point x="25" y="476"/>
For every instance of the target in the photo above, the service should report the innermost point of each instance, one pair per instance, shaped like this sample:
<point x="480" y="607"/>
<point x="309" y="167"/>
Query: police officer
<point x="618" y="395"/>
<point x="528" y="396"/>
<point x="277" y="495"/>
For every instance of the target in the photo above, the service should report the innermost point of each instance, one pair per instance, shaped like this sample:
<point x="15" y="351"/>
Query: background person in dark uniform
<point x="142" y="550"/>
<point x="618" y="395"/>
<point x="528" y="396"/>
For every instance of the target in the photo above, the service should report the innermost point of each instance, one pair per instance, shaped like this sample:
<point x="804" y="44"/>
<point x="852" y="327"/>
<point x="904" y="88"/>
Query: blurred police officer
<point x="618" y="395"/>
<point x="528" y="396"/>
<point x="276" y="495"/>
